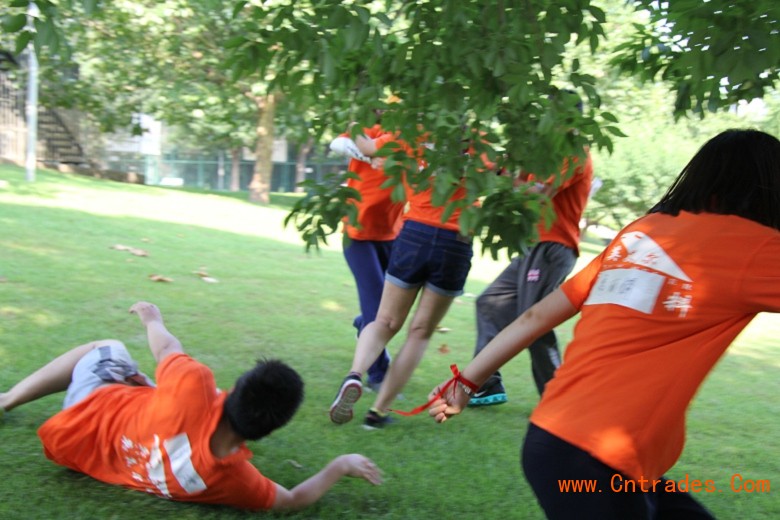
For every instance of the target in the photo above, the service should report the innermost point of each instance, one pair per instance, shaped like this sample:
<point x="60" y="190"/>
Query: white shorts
<point x="103" y="365"/>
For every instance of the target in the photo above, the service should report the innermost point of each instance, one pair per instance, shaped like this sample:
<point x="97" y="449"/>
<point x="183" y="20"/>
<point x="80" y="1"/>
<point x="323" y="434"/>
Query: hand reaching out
<point x="146" y="312"/>
<point x="356" y="465"/>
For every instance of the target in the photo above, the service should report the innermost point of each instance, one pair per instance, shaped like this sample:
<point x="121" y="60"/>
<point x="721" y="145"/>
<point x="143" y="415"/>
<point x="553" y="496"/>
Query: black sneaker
<point x="349" y="393"/>
<point x="492" y="392"/>
<point x="374" y="420"/>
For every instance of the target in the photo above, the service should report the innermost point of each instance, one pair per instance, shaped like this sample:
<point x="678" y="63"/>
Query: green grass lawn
<point x="62" y="283"/>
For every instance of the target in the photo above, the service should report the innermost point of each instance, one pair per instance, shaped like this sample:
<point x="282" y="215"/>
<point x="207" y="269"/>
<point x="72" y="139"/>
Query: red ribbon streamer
<point x="457" y="377"/>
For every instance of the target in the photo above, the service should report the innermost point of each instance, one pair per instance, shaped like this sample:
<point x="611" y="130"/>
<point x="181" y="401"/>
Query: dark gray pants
<point x="524" y="282"/>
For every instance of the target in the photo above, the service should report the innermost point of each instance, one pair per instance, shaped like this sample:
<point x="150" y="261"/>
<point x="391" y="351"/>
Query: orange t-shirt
<point x="421" y="208"/>
<point x="156" y="440"/>
<point x="568" y="204"/>
<point x="659" y="307"/>
<point x="378" y="215"/>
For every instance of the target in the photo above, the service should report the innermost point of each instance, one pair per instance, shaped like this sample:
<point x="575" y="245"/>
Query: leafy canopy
<point x="497" y="69"/>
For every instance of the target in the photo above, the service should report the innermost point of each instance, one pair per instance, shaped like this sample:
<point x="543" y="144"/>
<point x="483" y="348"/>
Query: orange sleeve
<point x="577" y="288"/>
<point x="760" y="279"/>
<point x="248" y="489"/>
<point x="382" y="140"/>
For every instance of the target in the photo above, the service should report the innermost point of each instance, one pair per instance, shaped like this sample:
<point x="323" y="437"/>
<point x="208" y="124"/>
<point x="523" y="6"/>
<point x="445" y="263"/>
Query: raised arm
<point x="550" y="312"/>
<point x="313" y="488"/>
<point x="161" y="342"/>
<point x="366" y="145"/>
<point x="345" y="146"/>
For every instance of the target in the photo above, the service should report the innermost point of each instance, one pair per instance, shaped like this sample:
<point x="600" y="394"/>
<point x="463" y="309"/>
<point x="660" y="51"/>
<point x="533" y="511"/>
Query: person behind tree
<point x="532" y="276"/>
<point x="368" y="245"/>
<point x="430" y="260"/>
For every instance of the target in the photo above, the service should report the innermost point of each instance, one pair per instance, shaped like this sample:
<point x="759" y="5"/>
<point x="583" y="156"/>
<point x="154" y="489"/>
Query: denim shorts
<point x="437" y="258"/>
<point x="101" y="366"/>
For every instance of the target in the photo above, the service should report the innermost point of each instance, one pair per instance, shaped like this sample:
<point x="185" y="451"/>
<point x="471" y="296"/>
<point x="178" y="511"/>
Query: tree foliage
<point x="461" y="69"/>
<point x="475" y="66"/>
<point x="498" y="69"/>
<point x="713" y="53"/>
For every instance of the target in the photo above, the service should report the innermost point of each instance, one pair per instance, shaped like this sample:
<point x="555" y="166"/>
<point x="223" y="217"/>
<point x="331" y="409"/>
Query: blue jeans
<point x="368" y="259"/>
<point x="437" y="258"/>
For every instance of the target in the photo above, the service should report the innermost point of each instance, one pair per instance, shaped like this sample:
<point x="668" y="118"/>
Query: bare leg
<point x="393" y="310"/>
<point x="429" y="313"/>
<point x="51" y="378"/>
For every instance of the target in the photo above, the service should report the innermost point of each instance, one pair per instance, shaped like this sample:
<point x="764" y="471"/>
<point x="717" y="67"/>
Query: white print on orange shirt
<point x="638" y="270"/>
<point x="147" y="466"/>
<point x="643" y="251"/>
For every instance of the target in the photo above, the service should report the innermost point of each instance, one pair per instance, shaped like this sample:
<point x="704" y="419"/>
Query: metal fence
<point x="205" y="172"/>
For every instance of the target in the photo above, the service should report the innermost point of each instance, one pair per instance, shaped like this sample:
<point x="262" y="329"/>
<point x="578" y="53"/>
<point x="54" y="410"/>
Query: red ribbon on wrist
<point x="457" y="377"/>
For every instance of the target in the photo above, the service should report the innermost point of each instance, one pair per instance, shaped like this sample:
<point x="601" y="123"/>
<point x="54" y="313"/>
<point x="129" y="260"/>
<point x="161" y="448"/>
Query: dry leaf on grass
<point x="132" y="250"/>
<point x="204" y="275"/>
<point x="159" y="278"/>
<point x="443" y="329"/>
<point x="294" y="463"/>
<point x="444" y="349"/>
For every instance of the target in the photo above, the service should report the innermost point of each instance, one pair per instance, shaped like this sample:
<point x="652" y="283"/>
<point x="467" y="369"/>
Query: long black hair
<point x="737" y="172"/>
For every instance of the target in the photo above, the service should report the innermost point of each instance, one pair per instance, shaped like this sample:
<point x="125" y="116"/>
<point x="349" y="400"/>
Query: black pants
<point x="550" y="462"/>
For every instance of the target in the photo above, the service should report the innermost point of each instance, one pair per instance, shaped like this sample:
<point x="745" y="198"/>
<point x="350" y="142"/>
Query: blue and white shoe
<point x="492" y="392"/>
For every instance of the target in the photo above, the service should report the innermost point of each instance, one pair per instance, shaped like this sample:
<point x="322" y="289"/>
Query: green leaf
<point x="235" y="41"/>
<point x="608" y="116"/>
<point x="354" y="34"/>
<point x="363" y="13"/>
<point x="399" y="193"/>
<point x="597" y="13"/>
<point x="238" y="7"/>
<point x="14" y="23"/>
<point x="22" y="41"/>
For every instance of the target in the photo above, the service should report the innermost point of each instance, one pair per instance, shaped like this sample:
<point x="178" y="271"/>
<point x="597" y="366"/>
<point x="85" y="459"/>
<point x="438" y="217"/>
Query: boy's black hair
<point x="264" y="398"/>
<point x="737" y="172"/>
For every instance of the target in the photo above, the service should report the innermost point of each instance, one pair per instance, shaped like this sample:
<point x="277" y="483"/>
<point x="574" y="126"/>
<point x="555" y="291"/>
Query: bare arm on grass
<point x="313" y="488"/>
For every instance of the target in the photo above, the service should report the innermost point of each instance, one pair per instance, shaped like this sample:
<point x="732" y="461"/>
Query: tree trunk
<point x="260" y="187"/>
<point x="300" y="164"/>
<point x="235" y="169"/>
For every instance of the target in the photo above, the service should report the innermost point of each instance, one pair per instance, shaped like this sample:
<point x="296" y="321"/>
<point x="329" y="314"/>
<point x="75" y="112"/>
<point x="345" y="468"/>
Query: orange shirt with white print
<point x="156" y="440"/>
<point x="569" y="203"/>
<point x="379" y="217"/>
<point x="658" y="308"/>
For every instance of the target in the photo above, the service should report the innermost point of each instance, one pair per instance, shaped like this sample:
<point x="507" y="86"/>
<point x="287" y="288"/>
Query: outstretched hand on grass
<point x="359" y="466"/>
<point x="452" y="402"/>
